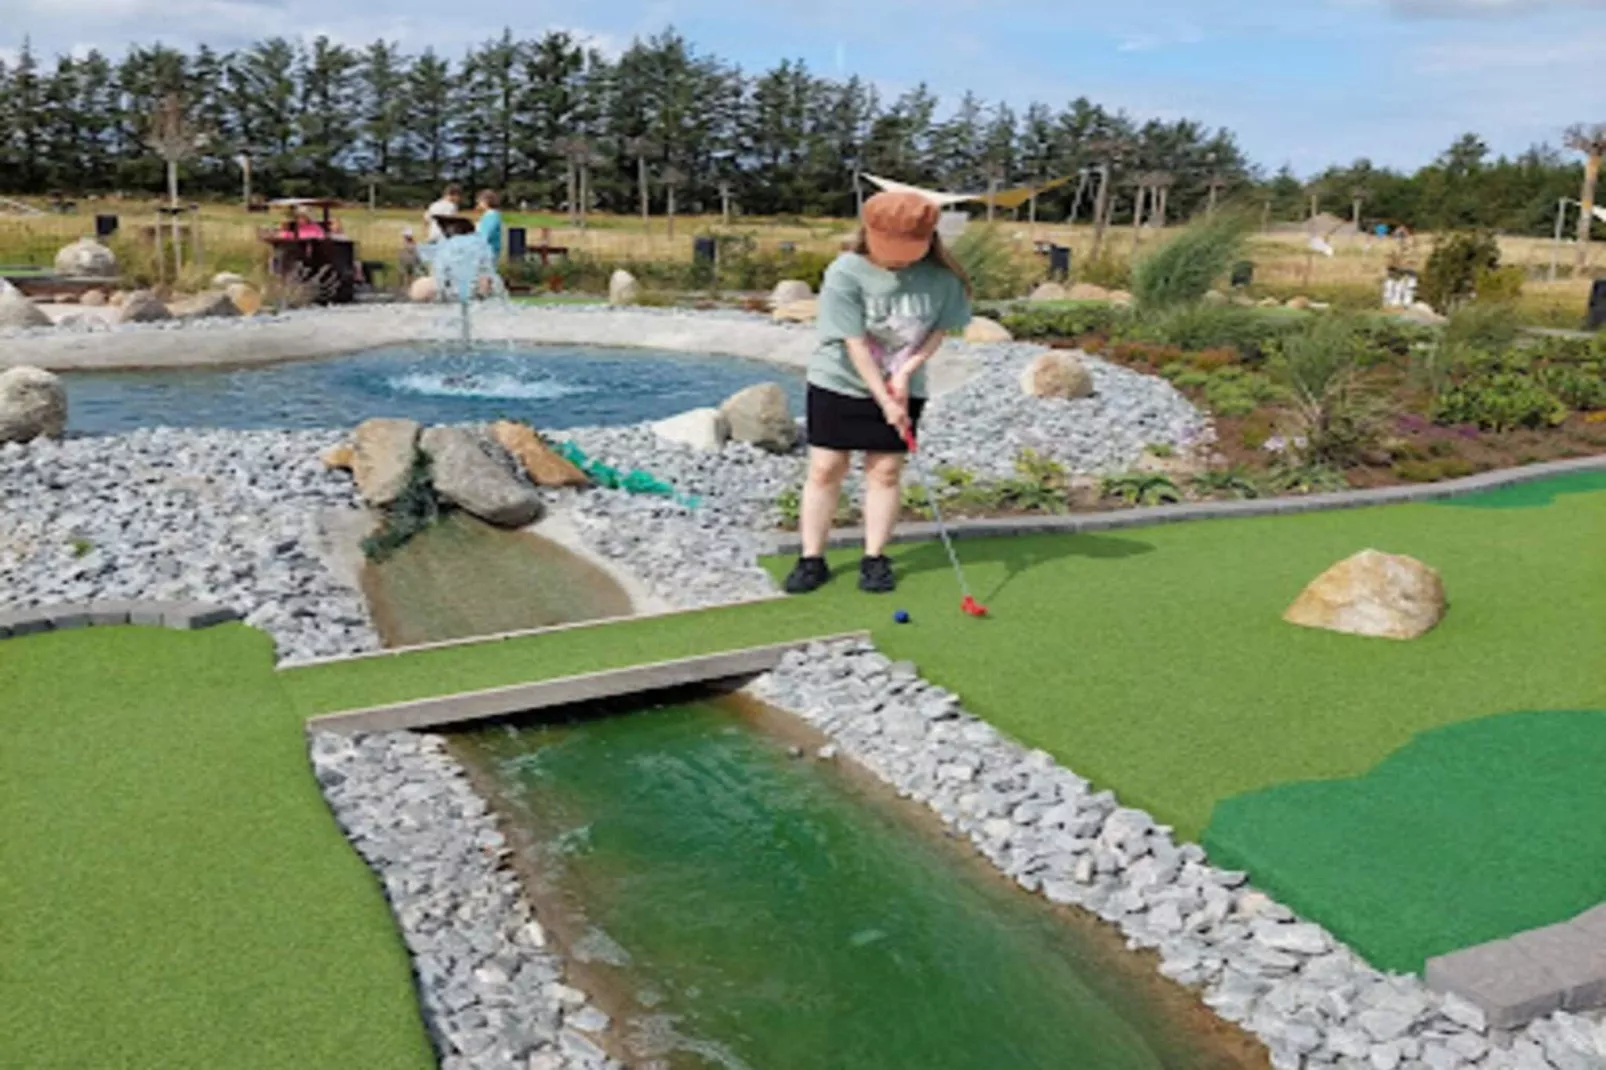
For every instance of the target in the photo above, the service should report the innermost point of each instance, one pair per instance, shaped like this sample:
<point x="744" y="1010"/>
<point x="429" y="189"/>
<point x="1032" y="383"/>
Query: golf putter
<point x="968" y="603"/>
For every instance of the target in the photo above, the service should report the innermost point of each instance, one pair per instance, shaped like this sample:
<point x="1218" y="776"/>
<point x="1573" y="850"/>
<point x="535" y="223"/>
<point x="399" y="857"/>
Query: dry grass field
<point x="1283" y="265"/>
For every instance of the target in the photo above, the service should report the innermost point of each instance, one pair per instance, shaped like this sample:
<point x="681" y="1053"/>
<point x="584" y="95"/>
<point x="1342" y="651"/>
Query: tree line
<point x="551" y="121"/>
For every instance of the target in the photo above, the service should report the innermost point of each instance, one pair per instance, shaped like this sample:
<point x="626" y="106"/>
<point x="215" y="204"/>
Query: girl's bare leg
<point x="883" y="498"/>
<point x="821" y="490"/>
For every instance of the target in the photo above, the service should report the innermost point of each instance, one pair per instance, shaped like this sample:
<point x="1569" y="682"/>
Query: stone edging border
<point x="789" y="543"/>
<point x="1536" y="972"/>
<point x="183" y="616"/>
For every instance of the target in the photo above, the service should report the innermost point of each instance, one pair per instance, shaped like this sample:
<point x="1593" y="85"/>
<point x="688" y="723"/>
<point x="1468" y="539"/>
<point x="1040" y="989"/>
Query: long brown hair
<point x="938" y="254"/>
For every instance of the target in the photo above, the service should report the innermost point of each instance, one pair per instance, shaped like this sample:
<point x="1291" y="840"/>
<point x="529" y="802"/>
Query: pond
<point x="550" y="387"/>
<point x="747" y="908"/>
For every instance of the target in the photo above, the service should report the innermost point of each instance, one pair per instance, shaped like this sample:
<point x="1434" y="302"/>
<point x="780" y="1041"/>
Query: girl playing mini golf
<point x="884" y="308"/>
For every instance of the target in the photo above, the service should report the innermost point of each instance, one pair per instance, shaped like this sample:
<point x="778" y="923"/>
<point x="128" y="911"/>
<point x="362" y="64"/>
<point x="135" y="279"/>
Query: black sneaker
<point x="810" y="573"/>
<point x="875" y="574"/>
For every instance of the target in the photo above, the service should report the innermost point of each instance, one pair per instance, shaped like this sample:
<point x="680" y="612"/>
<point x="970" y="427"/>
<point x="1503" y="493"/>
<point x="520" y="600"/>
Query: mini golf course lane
<point x="1472" y="832"/>
<point x="173" y="892"/>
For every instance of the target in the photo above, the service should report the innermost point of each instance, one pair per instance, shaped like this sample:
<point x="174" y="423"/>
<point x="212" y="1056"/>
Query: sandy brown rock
<point x="341" y="456"/>
<point x="1055" y="375"/>
<point x="382" y="457"/>
<point x="1049" y="291"/>
<point x="540" y="462"/>
<point x="1372" y="593"/>
<point x="796" y="311"/>
<point x="1086" y="291"/>
<point x="982" y="330"/>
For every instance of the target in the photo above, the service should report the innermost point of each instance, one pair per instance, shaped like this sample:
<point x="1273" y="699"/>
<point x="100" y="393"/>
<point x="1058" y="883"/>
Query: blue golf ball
<point x="902" y="616"/>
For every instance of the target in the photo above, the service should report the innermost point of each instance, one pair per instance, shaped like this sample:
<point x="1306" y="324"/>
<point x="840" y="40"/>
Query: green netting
<point x="633" y="482"/>
<point x="1469" y="833"/>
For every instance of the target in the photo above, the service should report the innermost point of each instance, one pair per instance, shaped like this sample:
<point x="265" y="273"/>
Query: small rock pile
<point x="1313" y="1002"/>
<point x="493" y="996"/>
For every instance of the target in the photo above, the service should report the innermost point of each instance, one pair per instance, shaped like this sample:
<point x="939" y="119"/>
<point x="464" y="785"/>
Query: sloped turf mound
<point x="1469" y="833"/>
<point x="1530" y="495"/>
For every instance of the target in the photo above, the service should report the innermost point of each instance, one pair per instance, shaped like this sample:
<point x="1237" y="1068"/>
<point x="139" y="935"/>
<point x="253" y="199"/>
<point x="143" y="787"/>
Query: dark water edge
<point x="551" y="387"/>
<point x="739" y="907"/>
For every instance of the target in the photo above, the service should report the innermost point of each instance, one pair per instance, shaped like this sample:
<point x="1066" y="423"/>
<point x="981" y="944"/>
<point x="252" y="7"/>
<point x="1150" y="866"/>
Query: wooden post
<point x="161" y="255"/>
<point x="1137" y="216"/>
<point x="1265" y="216"/>
<point x="1586" y="207"/>
<point x="1555" y="247"/>
<point x="195" y="224"/>
<point x="1100" y="218"/>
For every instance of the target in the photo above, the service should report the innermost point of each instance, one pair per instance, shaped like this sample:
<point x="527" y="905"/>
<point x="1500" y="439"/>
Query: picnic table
<point x="309" y="248"/>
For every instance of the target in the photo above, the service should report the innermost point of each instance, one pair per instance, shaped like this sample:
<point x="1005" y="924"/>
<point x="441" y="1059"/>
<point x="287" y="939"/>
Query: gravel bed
<point x="493" y="996"/>
<point x="1312" y="1001"/>
<point x="170" y="515"/>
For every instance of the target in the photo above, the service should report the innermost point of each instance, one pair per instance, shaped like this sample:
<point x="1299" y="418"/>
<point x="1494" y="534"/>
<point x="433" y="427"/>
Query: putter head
<point x="972" y="607"/>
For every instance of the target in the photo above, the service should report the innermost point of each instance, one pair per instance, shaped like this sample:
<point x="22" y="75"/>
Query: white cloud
<point x="1474" y="8"/>
<point x="1487" y="57"/>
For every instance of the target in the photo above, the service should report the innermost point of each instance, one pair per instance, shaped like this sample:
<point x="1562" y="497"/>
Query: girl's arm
<point x="899" y="383"/>
<point x="893" y="405"/>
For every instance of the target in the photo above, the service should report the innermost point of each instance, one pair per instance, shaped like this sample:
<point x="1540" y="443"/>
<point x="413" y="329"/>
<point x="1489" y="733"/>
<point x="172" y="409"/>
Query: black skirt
<point x="842" y="422"/>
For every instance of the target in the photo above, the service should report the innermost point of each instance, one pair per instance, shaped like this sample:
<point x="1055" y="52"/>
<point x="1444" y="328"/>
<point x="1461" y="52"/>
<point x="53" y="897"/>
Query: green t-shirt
<point x="894" y="311"/>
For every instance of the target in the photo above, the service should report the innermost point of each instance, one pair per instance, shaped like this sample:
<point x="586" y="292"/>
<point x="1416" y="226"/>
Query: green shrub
<point x="1295" y="477"/>
<point x="1432" y="471"/>
<point x="1250" y="331"/>
<point x="1108" y="270"/>
<point x="1451" y="274"/>
<point x="414" y="509"/>
<point x="1234" y="482"/>
<point x="1500" y="401"/>
<point x="1182" y="270"/>
<point x="989" y="258"/>
<point x="789" y="507"/>
<point x="1141" y="488"/>
<point x="1238" y="391"/>
<point x="1500" y="285"/>
<point x="1487" y="326"/>
<point x="1061" y="320"/>
<point x="1335" y="413"/>
<point x="1581" y="387"/>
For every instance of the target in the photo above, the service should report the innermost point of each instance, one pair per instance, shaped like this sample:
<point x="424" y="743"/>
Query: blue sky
<point x="1304" y="82"/>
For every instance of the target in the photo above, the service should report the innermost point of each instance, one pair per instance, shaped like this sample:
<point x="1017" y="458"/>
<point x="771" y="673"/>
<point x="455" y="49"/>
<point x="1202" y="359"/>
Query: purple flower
<point x="1412" y="423"/>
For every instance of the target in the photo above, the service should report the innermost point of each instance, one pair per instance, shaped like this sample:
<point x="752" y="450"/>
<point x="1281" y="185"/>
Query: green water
<point x="772" y="912"/>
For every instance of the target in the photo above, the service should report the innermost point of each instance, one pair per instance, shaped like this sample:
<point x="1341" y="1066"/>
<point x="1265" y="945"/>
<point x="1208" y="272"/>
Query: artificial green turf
<point x="1156" y="661"/>
<point x="1530" y="495"/>
<point x="1470" y="833"/>
<point x="173" y="891"/>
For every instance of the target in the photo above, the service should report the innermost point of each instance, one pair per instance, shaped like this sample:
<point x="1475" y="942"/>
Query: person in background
<point x="447" y="205"/>
<point x="408" y="263"/>
<point x="490" y="225"/>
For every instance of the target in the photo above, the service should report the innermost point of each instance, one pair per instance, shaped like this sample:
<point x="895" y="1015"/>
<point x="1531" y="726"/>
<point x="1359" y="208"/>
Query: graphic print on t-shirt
<point x="895" y="326"/>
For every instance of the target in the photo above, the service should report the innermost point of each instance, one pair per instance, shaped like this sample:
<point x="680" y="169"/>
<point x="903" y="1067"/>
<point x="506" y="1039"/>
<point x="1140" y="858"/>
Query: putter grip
<point x="909" y="440"/>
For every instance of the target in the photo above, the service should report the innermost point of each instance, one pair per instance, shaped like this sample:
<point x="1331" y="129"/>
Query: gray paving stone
<point x="1593" y="922"/>
<point x="69" y="615"/>
<point x="20" y="622"/>
<point x="1575" y="956"/>
<point x="1500" y="978"/>
<point x="110" y="613"/>
<point x="188" y="616"/>
<point x="149" y="614"/>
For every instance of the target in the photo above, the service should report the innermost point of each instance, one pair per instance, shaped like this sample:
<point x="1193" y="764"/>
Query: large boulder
<point x="86" y="258"/>
<point x="760" y="415"/>
<point x="540" y="462"/>
<point x="142" y="306"/>
<point x="424" y="290"/>
<point x="246" y="298"/>
<point x="701" y="429"/>
<point x="789" y="290"/>
<point x="468" y="477"/>
<point x="1086" y="291"/>
<point x="93" y="299"/>
<point x="1372" y="593"/>
<point x="982" y="330"/>
<point x="17" y="311"/>
<point x="1049" y="291"/>
<point x="209" y="304"/>
<point x="382" y="457"/>
<point x="1055" y="374"/>
<point x="796" y="311"/>
<point x="623" y="289"/>
<point x="33" y="403"/>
